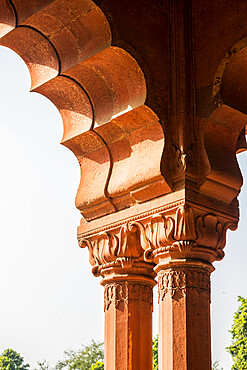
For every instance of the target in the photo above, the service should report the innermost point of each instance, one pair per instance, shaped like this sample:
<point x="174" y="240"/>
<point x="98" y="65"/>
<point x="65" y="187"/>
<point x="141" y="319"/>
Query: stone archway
<point x="157" y="150"/>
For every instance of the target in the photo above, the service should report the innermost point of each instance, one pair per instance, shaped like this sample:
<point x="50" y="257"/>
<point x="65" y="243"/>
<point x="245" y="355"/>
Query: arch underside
<point x="116" y="114"/>
<point x="100" y="92"/>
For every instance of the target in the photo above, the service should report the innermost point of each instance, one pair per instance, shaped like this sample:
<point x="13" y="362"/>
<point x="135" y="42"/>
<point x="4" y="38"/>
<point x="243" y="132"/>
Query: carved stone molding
<point x="187" y="232"/>
<point x="123" y="248"/>
<point x="179" y="281"/>
<point x="182" y="232"/>
<point x="123" y="293"/>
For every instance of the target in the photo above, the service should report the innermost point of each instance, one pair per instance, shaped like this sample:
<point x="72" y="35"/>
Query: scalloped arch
<point x="66" y="45"/>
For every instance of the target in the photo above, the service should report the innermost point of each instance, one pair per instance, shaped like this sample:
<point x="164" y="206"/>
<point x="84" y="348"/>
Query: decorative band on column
<point x="179" y="281"/>
<point x="117" y="293"/>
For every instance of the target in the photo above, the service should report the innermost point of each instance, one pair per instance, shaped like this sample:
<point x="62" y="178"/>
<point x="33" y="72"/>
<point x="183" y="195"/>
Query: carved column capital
<point x="187" y="233"/>
<point x="116" y="253"/>
<point x="120" y="251"/>
<point x="181" y="229"/>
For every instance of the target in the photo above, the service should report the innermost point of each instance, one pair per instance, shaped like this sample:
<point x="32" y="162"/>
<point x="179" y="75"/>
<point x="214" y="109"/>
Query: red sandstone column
<point x="118" y="256"/>
<point x="184" y="316"/>
<point x="128" y="321"/>
<point x="183" y="242"/>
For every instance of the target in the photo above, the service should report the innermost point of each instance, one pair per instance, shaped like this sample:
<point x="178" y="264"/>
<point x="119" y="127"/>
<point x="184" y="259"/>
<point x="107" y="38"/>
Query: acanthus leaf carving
<point x="184" y="224"/>
<point x="167" y="234"/>
<point x="186" y="232"/>
<point x="222" y="241"/>
<point x="101" y="251"/>
<point x="132" y="240"/>
<point x="106" y="248"/>
<point x="83" y="243"/>
<point x="122" y="249"/>
<point x="211" y="233"/>
<point x="160" y="231"/>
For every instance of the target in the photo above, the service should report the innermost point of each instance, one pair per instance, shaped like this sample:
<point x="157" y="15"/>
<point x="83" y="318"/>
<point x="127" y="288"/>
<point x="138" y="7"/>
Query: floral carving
<point x="160" y="231"/>
<point x="102" y="250"/>
<point x="178" y="281"/>
<point x="184" y="224"/>
<point x="186" y="232"/>
<point x="123" y="293"/>
<point x="132" y="240"/>
<point x="163" y="231"/>
<point x="166" y="233"/>
<point x="122" y="249"/>
<point x="211" y="233"/>
<point x="172" y="282"/>
<point x="184" y="160"/>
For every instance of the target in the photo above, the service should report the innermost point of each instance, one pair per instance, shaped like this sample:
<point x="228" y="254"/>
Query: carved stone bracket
<point x="123" y="293"/>
<point x="179" y="281"/>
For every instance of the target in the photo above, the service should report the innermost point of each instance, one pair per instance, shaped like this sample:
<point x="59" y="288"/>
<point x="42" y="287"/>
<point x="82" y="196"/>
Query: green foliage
<point x="155" y="353"/>
<point x="238" y="348"/>
<point x="98" y="366"/>
<point x="216" y="365"/>
<point x="90" y="357"/>
<point x="84" y="358"/>
<point x="11" y="360"/>
<point x="43" y="365"/>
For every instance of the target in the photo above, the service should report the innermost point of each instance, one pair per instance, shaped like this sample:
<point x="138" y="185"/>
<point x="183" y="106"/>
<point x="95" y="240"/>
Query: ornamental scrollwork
<point x="184" y="160"/>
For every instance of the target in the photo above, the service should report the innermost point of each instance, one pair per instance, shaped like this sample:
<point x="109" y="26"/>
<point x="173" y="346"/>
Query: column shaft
<point x="128" y="326"/>
<point x="184" y="319"/>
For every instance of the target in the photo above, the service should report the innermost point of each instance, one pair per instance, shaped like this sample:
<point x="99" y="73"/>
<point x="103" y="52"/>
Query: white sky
<point x="50" y="301"/>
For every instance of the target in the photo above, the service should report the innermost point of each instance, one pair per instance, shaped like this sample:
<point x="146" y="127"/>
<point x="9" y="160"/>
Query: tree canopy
<point x="11" y="360"/>
<point x="238" y="347"/>
<point x="155" y="353"/>
<point x="87" y="357"/>
<point x="99" y="365"/>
